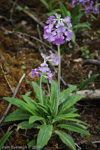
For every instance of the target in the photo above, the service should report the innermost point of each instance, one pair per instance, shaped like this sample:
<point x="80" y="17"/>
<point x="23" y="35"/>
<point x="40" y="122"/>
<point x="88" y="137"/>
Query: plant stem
<point x="59" y="69"/>
<point x="59" y="73"/>
<point x="48" y="89"/>
<point x="41" y="89"/>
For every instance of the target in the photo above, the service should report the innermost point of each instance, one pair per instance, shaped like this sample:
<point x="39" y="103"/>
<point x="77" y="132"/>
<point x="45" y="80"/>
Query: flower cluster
<point x="88" y="5"/>
<point x="58" y="29"/>
<point x="44" y="70"/>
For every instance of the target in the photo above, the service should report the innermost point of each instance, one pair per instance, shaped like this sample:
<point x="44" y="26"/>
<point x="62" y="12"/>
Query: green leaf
<point x="65" y="116"/>
<point x="26" y="125"/>
<point x="88" y="81"/>
<point x="4" y="139"/>
<point x="82" y="26"/>
<point x="73" y="37"/>
<point x="76" y="11"/>
<point x="28" y="93"/>
<point x="74" y="127"/>
<point x="65" y="94"/>
<point x="64" y="11"/>
<point x="31" y="144"/>
<point x="44" y="135"/>
<point x="19" y="8"/>
<point x="45" y="4"/>
<point x="35" y="118"/>
<point x="19" y="103"/>
<point x="23" y="67"/>
<point x="66" y="139"/>
<point x="18" y="114"/>
<point x="26" y="8"/>
<point x="77" y="120"/>
<point x="71" y="100"/>
<point x="5" y="33"/>
<point x="54" y="93"/>
<point x="37" y="91"/>
<point x="32" y="104"/>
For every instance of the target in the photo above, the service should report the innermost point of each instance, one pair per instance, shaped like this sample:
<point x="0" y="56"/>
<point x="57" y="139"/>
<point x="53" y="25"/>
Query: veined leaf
<point x="76" y="11"/>
<point x="35" y="118"/>
<point x="45" y="3"/>
<point x="65" y="116"/>
<point x="82" y="26"/>
<point x="54" y="92"/>
<point x="66" y="139"/>
<point x="74" y="127"/>
<point x="19" y="103"/>
<point x="44" y="135"/>
<point x="64" y="95"/>
<point x="37" y="92"/>
<point x="18" y="114"/>
<point x="77" y="120"/>
<point x="82" y="86"/>
<point x="70" y="110"/>
<point x="31" y="103"/>
<point x="71" y="100"/>
<point x="26" y="125"/>
<point x="64" y="11"/>
<point x="4" y="139"/>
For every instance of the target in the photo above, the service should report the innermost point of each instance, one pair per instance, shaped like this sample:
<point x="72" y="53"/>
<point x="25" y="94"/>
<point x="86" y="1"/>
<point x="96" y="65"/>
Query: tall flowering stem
<point x="41" y="89"/>
<point x="59" y="68"/>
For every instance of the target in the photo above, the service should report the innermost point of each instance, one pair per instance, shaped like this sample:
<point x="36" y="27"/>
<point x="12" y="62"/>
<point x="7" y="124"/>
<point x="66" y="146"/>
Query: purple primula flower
<point x="44" y="68"/>
<point x="69" y="25"/>
<point x="49" y="76"/>
<point x="88" y="5"/>
<point x="95" y="11"/>
<point x="91" y="4"/>
<point x="60" y="28"/>
<point x="59" y="40"/>
<point x="67" y="20"/>
<point x="69" y="35"/>
<point x="87" y="10"/>
<point x="56" y="60"/>
<point x="73" y="3"/>
<point x="50" y="20"/>
<point x="55" y="32"/>
<point x="53" y="58"/>
<point x="51" y="36"/>
<point x="81" y="2"/>
<point x="88" y="1"/>
<point x="34" y="72"/>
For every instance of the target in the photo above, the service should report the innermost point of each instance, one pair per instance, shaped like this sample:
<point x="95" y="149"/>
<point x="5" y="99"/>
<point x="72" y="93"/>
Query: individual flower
<point x="50" y="20"/>
<point x="87" y="10"/>
<point x="81" y="2"/>
<point x="60" y="28"/>
<point x="53" y="58"/>
<point x="34" y="72"/>
<point x="59" y="40"/>
<point x="44" y="68"/>
<point x="67" y="20"/>
<point x="95" y="11"/>
<point x="73" y="3"/>
<point x="69" y="35"/>
<point x="49" y="76"/>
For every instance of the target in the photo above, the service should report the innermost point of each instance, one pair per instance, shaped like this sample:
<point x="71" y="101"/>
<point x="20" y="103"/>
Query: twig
<point x="92" y="62"/>
<point x="11" y="12"/>
<point x="31" y="15"/>
<point x="6" y="79"/>
<point x="96" y="142"/>
<point x="14" y="94"/>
